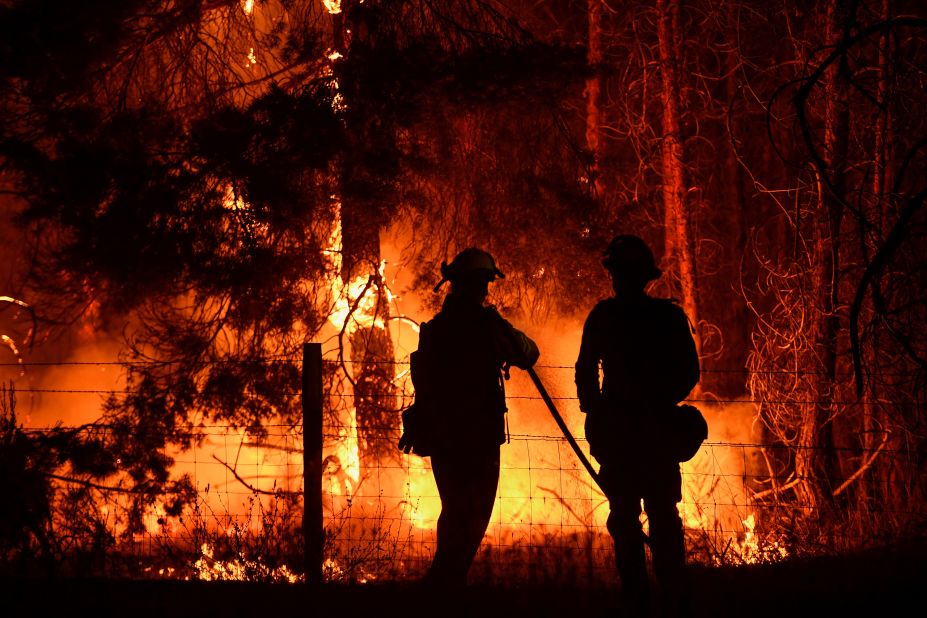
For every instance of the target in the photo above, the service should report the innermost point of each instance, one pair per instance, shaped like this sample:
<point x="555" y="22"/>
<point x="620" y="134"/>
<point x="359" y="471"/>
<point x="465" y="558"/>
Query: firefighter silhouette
<point x="458" y="371"/>
<point x="649" y="363"/>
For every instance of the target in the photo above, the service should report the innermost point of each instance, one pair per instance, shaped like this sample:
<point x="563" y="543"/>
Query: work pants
<point x="660" y="489"/>
<point x="467" y="483"/>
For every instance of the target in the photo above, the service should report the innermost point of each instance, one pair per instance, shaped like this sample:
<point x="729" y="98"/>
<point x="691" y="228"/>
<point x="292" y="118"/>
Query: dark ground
<point x="878" y="583"/>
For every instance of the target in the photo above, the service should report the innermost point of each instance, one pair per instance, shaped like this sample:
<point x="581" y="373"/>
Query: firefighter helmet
<point x="629" y="255"/>
<point x="469" y="261"/>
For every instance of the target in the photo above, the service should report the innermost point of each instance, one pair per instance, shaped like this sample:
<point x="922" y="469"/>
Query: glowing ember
<point x="13" y="301"/>
<point x="332" y="571"/>
<point x="752" y="551"/>
<point x="8" y="342"/>
<point x="208" y="568"/>
<point x="232" y="200"/>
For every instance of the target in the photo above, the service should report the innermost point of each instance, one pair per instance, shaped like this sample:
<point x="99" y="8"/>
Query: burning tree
<point x="178" y="172"/>
<point x="217" y="176"/>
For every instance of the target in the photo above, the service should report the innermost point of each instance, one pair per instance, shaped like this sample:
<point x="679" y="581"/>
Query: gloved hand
<point x="405" y="444"/>
<point x="507" y="370"/>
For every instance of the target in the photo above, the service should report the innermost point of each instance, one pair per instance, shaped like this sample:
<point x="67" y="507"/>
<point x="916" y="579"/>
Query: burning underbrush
<point x="243" y="514"/>
<point x="244" y="521"/>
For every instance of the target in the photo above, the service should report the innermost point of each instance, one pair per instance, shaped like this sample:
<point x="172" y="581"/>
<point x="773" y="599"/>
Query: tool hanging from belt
<point x="563" y="427"/>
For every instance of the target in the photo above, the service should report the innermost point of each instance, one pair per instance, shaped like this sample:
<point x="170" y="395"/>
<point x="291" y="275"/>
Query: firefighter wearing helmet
<point x="649" y="364"/>
<point x="458" y="371"/>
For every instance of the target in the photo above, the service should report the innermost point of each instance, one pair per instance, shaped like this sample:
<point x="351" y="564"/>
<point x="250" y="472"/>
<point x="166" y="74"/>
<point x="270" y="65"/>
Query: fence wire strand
<point x="380" y="511"/>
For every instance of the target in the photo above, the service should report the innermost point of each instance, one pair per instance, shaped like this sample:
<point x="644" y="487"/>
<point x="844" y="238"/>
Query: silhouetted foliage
<point x="163" y="190"/>
<point x="60" y="481"/>
<point x="179" y="169"/>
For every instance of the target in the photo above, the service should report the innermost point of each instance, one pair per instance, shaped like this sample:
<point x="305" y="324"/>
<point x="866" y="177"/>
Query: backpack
<point x="457" y="372"/>
<point x="686" y="430"/>
<point x="419" y="420"/>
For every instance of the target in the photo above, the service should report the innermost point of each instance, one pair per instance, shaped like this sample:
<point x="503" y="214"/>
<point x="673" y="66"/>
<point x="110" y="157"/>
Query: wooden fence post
<point x="313" y="528"/>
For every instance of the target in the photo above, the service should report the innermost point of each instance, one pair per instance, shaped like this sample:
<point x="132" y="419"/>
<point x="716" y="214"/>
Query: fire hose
<point x="563" y="426"/>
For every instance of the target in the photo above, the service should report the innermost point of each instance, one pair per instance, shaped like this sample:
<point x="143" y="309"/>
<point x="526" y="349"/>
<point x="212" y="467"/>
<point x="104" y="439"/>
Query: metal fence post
<point x="313" y="528"/>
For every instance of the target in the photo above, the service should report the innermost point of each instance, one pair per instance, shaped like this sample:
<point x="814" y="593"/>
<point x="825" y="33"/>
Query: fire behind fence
<point x="379" y="507"/>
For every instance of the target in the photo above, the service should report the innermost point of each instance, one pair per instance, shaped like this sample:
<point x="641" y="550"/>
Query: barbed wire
<point x="555" y="479"/>
<point x="296" y="393"/>
<point x="405" y="363"/>
<point x="337" y="433"/>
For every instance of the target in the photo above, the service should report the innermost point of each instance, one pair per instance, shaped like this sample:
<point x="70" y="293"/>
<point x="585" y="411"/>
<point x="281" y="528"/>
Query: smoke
<point x="543" y="487"/>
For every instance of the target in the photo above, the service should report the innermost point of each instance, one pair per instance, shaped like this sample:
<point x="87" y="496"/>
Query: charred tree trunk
<point x="677" y="216"/>
<point x="593" y="93"/>
<point x="736" y="317"/>
<point x="875" y="423"/>
<point x="372" y="354"/>
<point x="375" y="393"/>
<point x="816" y="458"/>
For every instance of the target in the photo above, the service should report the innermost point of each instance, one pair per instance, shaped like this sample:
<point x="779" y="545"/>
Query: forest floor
<point x="889" y="582"/>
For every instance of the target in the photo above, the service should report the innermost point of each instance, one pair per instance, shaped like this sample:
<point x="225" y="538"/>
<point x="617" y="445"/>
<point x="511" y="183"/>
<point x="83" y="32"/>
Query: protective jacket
<point x="649" y="364"/>
<point x="458" y="372"/>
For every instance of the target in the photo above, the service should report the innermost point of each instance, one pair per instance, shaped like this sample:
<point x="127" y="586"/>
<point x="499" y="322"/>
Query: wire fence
<point x="380" y="507"/>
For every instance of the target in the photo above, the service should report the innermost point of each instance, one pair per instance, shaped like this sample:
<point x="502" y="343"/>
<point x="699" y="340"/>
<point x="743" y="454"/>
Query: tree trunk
<point x="816" y="459"/>
<point x="873" y="485"/>
<point x="735" y="315"/>
<point x="371" y="354"/>
<point x="594" y="98"/>
<point x="677" y="217"/>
